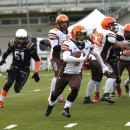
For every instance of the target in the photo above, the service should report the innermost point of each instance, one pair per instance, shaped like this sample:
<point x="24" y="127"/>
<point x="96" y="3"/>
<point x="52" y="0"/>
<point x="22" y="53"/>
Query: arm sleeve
<point x="98" y="58"/>
<point x="35" y="56"/>
<point x="68" y="58"/>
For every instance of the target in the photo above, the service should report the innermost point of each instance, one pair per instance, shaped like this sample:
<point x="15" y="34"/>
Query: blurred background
<point x="38" y="16"/>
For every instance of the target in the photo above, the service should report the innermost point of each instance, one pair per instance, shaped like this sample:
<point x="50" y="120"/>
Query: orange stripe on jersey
<point x="111" y="36"/>
<point x="63" y="48"/>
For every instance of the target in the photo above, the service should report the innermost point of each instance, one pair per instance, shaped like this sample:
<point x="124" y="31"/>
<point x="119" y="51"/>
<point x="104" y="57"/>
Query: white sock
<point x="59" y="97"/>
<point x="114" y="87"/>
<point x="68" y="104"/>
<point x="98" y="86"/>
<point x="109" y="84"/>
<point x="90" y="87"/>
<point x="52" y="103"/>
<point x="127" y="81"/>
<point x="53" y="85"/>
<point x="2" y="98"/>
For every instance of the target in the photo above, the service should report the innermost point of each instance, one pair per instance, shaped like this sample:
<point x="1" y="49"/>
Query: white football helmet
<point x="21" y="36"/>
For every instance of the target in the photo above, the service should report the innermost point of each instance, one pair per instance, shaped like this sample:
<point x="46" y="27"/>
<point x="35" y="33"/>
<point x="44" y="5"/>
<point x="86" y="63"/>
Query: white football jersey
<point x="125" y="57"/>
<point x="101" y="45"/>
<point x="75" y="67"/>
<point x="56" y="38"/>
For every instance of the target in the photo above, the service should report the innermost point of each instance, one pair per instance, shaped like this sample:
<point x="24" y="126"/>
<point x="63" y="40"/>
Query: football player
<point x="57" y="36"/>
<point x="22" y="51"/>
<point x="104" y="39"/>
<point x="113" y="61"/>
<point x="71" y="69"/>
<point x="124" y="59"/>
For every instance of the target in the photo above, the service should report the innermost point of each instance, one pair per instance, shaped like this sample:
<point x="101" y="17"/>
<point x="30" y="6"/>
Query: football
<point x="77" y="54"/>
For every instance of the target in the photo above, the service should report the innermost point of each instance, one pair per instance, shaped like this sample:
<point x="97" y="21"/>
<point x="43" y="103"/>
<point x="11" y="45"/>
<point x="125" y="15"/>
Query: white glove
<point x="106" y="69"/>
<point x="82" y="58"/>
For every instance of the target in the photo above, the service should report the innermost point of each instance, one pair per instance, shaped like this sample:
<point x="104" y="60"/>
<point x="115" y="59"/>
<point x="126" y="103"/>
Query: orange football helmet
<point x="60" y="18"/>
<point x="77" y="31"/>
<point x="108" y="23"/>
<point x="127" y="31"/>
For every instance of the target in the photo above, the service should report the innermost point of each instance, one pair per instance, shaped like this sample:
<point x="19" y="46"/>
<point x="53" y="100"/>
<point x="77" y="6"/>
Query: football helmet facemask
<point x="21" y="36"/>
<point x="127" y="31"/>
<point x="109" y="23"/>
<point x="77" y="31"/>
<point x="62" y="18"/>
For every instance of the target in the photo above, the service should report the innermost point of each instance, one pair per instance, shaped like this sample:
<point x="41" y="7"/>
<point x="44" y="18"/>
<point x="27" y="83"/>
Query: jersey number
<point x="19" y="55"/>
<point x="98" y="38"/>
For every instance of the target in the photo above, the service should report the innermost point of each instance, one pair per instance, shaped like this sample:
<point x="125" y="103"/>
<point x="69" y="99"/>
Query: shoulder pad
<point x="31" y="45"/>
<point x="53" y="34"/>
<point x="66" y="45"/>
<point x="111" y="40"/>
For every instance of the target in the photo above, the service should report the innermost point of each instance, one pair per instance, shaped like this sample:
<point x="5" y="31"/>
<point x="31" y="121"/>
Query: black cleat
<point x="106" y="98"/>
<point x="66" y="112"/>
<point x="112" y="94"/>
<point x="87" y="100"/>
<point x="48" y="110"/>
<point x="126" y="88"/>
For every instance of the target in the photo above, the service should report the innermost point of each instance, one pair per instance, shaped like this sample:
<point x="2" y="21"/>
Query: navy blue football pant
<point x="20" y="77"/>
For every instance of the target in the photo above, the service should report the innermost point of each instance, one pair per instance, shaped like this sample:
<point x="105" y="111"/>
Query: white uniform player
<point x="57" y="36"/>
<point x="103" y="40"/>
<point x="71" y="69"/>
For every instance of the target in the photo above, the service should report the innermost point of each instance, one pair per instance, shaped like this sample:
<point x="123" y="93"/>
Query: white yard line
<point x="10" y="126"/>
<point x="71" y="125"/>
<point x="127" y="124"/>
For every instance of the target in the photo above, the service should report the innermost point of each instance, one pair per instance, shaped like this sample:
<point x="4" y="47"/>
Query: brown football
<point x="77" y="54"/>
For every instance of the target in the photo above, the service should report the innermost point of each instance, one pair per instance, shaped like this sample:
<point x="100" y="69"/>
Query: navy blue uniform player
<point x="22" y="51"/>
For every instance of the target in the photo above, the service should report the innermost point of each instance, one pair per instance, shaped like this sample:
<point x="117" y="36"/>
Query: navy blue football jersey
<point x="21" y="53"/>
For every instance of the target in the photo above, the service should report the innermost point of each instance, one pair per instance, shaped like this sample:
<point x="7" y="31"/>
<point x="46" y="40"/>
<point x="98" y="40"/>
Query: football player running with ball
<point x="71" y="69"/>
<point x="22" y="51"/>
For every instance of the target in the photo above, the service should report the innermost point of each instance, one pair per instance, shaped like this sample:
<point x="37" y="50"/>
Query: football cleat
<point x="66" y="112"/>
<point x="62" y="100"/>
<point x="126" y="88"/>
<point x="48" y="110"/>
<point x="119" y="92"/>
<point x="87" y="100"/>
<point x="112" y="94"/>
<point x="1" y="104"/>
<point x="106" y="98"/>
<point x="96" y="98"/>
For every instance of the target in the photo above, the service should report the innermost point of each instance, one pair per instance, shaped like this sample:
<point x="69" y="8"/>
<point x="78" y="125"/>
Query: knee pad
<point x="7" y="87"/>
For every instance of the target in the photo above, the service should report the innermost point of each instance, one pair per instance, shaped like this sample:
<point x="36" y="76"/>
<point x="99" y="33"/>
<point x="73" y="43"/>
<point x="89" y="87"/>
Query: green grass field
<point x="27" y="108"/>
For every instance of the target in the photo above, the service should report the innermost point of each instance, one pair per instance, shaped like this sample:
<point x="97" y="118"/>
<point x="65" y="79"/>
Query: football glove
<point x="2" y="62"/>
<point x="36" y="77"/>
<point x="106" y="69"/>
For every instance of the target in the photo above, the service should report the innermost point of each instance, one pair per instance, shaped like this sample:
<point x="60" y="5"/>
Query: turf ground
<point x="26" y="109"/>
